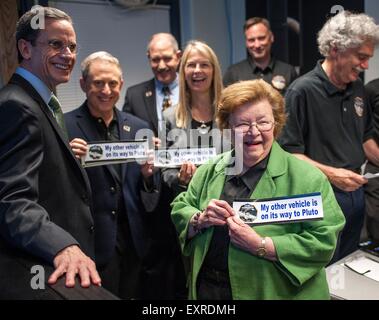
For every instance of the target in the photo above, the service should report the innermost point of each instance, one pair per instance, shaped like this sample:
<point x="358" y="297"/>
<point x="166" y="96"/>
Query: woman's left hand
<point x="242" y="235"/>
<point x="246" y="238"/>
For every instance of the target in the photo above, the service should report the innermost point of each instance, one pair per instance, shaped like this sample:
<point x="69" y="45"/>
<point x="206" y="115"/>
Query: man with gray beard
<point x="329" y="122"/>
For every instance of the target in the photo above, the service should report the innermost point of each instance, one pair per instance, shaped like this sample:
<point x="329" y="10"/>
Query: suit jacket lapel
<point x="85" y="124"/>
<point x="44" y="107"/>
<point x="20" y="81"/>
<point x="91" y="134"/>
<point x="150" y="103"/>
<point x="125" y="133"/>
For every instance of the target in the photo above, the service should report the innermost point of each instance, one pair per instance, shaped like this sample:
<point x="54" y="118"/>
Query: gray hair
<point x="99" y="55"/>
<point x="163" y="36"/>
<point x="25" y="30"/>
<point x="347" y="30"/>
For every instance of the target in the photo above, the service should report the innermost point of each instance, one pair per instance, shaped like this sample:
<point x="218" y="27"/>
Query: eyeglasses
<point x="58" y="45"/>
<point x="261" y="126"/>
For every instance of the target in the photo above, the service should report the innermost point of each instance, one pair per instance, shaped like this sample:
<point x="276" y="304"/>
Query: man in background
<point x="147" y="100"/>
<point x="329" y="121"/>
<point x="260" y="63"/>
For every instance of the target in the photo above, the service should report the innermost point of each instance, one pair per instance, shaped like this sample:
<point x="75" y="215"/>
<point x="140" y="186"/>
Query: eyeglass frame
<point x="61" y="45"/>
<point x="252" y="124"/>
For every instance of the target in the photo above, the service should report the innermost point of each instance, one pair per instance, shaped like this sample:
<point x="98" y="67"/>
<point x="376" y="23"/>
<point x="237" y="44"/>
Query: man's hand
<point x="147" y="168"/>
<point x="157" y="142"/>
<point x="72" y="261"/>
<point x="79" y="147"/>
<point x="345" y="180"/>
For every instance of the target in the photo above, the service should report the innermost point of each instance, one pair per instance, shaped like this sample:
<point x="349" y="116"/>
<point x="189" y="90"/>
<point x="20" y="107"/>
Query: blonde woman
<point x="190" y="123"/>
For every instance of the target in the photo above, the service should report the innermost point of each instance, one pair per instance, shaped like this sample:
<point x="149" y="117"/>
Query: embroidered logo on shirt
<point x="278" y="82"/>
<point x="358" y="106"/>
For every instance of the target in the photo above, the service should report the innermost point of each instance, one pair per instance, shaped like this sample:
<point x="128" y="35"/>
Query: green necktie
<point x="58" y="114"/>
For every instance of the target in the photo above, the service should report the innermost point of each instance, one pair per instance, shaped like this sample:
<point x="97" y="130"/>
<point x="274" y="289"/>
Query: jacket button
<point x="113" y="212"/>
<point x="92" y="229"/>
<point x="113" y="189"/>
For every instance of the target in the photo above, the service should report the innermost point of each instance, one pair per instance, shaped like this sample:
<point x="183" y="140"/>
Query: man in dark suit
<point x="147" y="101"/>
<point x="45" y="214"/>
<point x="260" y="64"/>
<point x="122" y="235"/>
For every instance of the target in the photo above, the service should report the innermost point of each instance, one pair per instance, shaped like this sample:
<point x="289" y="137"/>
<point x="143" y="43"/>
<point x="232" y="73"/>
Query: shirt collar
<point x="36" y="82"/>
<point x="255" y="68"/>
<point x="248" y="177"/>
<point x="159" y="85"/>
<point x="96" y="119"/>
<point x="330" y="88"/>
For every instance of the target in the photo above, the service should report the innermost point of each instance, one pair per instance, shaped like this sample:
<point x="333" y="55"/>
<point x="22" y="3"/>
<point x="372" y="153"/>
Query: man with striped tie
<point x="45" y="198"/>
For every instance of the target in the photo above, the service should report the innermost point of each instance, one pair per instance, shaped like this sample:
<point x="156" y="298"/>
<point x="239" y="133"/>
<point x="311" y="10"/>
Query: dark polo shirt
<point x="279" y="74"/>
<point x="325" y="123"/>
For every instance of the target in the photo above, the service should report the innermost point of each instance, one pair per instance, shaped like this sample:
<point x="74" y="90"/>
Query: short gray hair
<point x="163" y="36"/>
<point x="99" y="55"/>
<point x="347" y="30"/>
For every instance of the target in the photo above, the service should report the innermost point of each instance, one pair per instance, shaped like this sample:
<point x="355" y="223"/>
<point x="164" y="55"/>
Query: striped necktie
<point x="58" y="114"/>
<point x="166" y="99"/>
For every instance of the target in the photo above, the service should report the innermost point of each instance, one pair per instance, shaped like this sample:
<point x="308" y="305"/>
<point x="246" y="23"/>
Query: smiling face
<point x="102" y="87"/>
<point x="350" y="63"/>
<point x="255" y="145"/>
<point x="53" y="66"/>
<point x="258" y="40"/>
<point x="198" y="72"/>
<point x="164" y="60"/>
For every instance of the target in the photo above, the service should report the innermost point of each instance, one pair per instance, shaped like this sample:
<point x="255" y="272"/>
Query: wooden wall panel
<point x="8" y="52"/>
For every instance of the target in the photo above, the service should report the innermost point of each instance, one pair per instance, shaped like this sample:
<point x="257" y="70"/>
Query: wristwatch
<point x="261" y="251"/>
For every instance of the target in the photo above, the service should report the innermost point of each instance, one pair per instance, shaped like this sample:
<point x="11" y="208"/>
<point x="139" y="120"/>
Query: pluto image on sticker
<point x="248" y="212"/>
<point x="95" y="152"/>
<point x="164" y="157"/>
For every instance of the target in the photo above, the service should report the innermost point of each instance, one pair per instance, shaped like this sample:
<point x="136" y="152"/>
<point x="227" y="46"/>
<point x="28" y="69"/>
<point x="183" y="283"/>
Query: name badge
<point x="103" y="153"/>
<point x="280" y="210"/>
<point x="173" y="158"/>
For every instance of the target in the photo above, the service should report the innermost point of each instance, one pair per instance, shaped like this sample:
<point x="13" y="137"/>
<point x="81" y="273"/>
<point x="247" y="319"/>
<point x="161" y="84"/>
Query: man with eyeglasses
<point x="45" y="198"/>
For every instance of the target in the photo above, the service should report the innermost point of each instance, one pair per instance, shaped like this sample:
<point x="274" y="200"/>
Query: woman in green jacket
<point x="230" y="259"/>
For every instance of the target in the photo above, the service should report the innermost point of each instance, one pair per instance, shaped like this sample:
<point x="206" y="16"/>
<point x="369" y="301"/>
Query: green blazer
<point x="303" y="248"/>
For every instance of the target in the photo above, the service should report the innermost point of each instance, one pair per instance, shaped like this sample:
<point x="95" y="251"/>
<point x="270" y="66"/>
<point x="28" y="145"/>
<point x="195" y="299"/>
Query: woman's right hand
<point x="215" y="214"/>
<point x="79" y="147"/>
